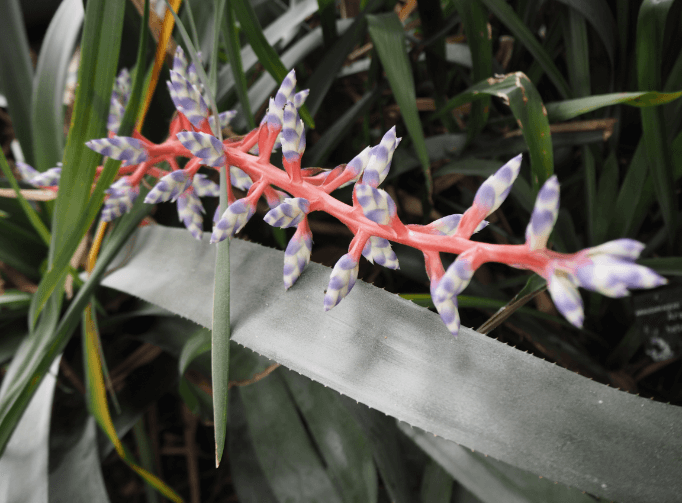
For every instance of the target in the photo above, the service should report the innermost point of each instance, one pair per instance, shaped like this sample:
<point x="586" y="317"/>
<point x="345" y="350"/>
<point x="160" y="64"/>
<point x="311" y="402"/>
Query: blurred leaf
<point x="577" y="52"/>
<point x="99" y="407"/>
<point x="273" y="34"/>
<point x="267" y="56"/>
<point x="382" y="435"/>
<point x="198" y="343"/>
<point x="144" y="447"/>
<point x="30" y="213"/>
<point x="27" y="450"/>
<point x="48" y="87"/>
<point x="37" y="352"/>
<point x="75" y="471"/>
<point x="288" y="459"/>
<point x="606" y="194"/>
<point x="505" y="13"/>
<point x="231" y="35"/>
<point x="327" y="13"/>
<point x="16" y="74"/>
<point x="343" y="446"/>
<point x="490" y="480"/>
<point x="368" y="348"/>
<point x="436" y="485"/>
<point x="598" y="13"/>
<point x="564" y="110"/>
<point x="388" y="36"/>
<point x="667" y="266"/>
<point x="650" y="27"/>
<point x="327" y="69"/>
<point x="526" y="104"/>
<point x="14" y="299"/>
<point x="475" y="23"/>
<point x="247" y="474"/>
<point x="337" y="132"/>
<point x="99" y="57"/>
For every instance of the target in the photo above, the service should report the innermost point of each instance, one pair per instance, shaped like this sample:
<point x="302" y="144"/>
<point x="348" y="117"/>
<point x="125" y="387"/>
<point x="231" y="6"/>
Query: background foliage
<point x="588" y="89"/>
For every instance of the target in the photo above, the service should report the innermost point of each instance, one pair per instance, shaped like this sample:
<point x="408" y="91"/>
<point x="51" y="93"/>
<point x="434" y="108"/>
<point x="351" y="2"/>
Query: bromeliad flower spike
<point x="609" y="269"/>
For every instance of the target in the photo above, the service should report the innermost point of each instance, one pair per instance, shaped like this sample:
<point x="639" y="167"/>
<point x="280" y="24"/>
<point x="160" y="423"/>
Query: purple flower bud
<point x="446" y="305"/>
<point x="120" y="200"/>
<point x="626" y="249"/>
<point x="612" y="276"/>
<point x="190" y="212"/>
<point x="205" y="187"/>
<point x="240" y="179"/>
<point x="286" y="89"/>
<point x="49" y="178"/>
<point x="169" y="187"/>
<point x="204" y="146"/>
<point x="447" y="226"/>
<point x="496" y="188"/>
<point x="275" y="115"/>
<point x="566" y="297"/>
<point x="544" y="215"/>
<point x="300" y="97"/>
<point x="119" y="99"/>
<point x="297" y="254"/>
<point x="187" y="99"/>
<point x="233" y="220"/>
<point x="293" y="134"/>
<point x="379" y="250"/>
<point x="358" y="164"/>
<point x="341" y="282"/>
<point x="124" y="148"/>
<point x="26" y="171"/>
<point x="289" y="213"/>
<point x="380" y="159"/>
<point x="376" y="204"/>
<point x="225" y="118"/>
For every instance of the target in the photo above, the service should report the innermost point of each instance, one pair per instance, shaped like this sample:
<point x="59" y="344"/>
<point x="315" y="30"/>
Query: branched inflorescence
<point x="609" y="269"/>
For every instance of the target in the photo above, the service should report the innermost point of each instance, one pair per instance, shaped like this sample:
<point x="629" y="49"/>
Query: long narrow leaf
<point x="373" y="347"/>
<point x="48" y="87"/>
<point x="16" y="73"/>
<point x="388" y="36"/>
<point x="650" y="28"/>
<point x="505" y="13"/>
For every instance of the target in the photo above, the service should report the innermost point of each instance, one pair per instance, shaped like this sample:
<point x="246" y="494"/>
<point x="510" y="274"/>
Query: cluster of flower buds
<point x="373" y="219"/>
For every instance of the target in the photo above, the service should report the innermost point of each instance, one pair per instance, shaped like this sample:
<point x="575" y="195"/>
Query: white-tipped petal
<point x="204" y="146"/>
<point x="496" y="188"/>
<point x="168" y="188"/>
<point x="544" y="215"/>
<point x="378" y="250"/>
<point x="341" y="282"/>
<point x="566" y="298"/>
<point x="289" y="213"/>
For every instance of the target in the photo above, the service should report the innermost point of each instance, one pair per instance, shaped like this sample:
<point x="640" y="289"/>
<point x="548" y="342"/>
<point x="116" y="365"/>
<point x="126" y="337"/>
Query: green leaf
<point x="327" y="13"/>
<point x="388" y="36"/>
<point x="231" y="35"/>
<point x="606" y="194"/>
<point x="490" y="480"/>
<point x="475" y="22"/>
<point x="436" y="485"/>
<point x="668" y="266"/>
<point x="473" y="390"/>
<point x="16" y="73"/>
<point x="288" y="459"/>
<point x="526" y="104"/>
<point x="266" y="54"/>
<point x="75" y="471"/>
<point x="505" y="13"/>
<point x="27" y="451"/>
<point x="76" y="200"/>
<point x="48" y="91"/>
<point x="247" y="474"/>
<point x="14" y="299"/>
<point x="328" y="68"/>
<point x="51" y="335"/>
<point x="649" y="46"/>
<point x="577" y="52"/>
<point x="31" y="214"/>
<point x="565" y="110"/>
<point x="383" y="437"/>
<point x="340" y="440"/>
<point x="197" y="344"/>
<point x="598" y="14"/>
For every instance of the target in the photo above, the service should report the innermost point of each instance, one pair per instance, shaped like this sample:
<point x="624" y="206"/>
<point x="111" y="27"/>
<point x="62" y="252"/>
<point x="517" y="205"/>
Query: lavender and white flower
<point x="289" y="213"/>
<point x="169" y="187"/>
<point x="233" y="220"/>
<point x="341" y="281"/>
<point x="378" y="250"/>
<point x="121" y="198"/>
<point x="376" y="204"/>
<point x="204" y="146"/>
<point x="123" y="148"/>
<point x="297" y="254"/>
<point x="544" y="215"/>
